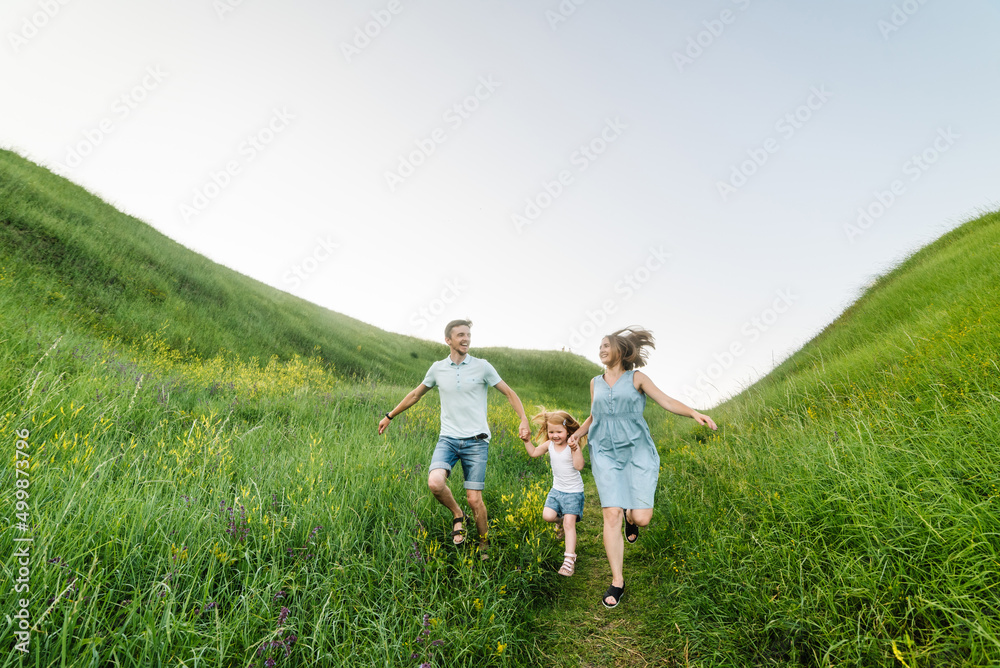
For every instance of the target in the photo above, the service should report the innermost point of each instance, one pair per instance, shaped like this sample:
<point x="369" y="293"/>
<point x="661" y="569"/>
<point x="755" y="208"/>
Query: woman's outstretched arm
<point x="644" y="384"/>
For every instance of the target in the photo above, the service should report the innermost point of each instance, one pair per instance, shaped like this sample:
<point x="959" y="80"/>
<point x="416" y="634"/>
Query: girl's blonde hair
<point x="629" y="346"/>
<point x="546" y="417"/>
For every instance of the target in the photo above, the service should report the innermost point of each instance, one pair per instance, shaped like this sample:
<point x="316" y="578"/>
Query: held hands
<point x="524" y="431"/>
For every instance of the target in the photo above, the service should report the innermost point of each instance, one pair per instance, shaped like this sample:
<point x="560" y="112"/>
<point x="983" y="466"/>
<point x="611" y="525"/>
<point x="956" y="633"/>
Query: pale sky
<point x="551" y="170"/>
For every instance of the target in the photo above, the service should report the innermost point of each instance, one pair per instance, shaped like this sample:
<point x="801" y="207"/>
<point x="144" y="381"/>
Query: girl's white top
<point x="565" y="478"/>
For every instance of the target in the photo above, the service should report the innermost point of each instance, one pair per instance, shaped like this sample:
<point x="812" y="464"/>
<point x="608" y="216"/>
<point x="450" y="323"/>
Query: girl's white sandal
<point x="568" y="565"/>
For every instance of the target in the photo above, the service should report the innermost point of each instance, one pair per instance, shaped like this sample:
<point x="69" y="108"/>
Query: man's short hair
<point x="453" y="324"/>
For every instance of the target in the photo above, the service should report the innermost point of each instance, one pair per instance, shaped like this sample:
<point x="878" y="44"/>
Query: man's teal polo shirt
<point x="463" y="394"/>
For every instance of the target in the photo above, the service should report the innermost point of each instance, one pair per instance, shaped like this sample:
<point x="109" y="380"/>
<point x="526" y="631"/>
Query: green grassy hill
<point x="200" y="475"/>
<point x="846" y="512"/>
<point x="200" y="471"/>
<point x="93" y="269"/>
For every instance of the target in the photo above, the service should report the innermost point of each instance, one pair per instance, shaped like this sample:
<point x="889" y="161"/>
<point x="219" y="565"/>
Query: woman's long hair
<point x="546" y="417"/>
<point x="629" y="347"/>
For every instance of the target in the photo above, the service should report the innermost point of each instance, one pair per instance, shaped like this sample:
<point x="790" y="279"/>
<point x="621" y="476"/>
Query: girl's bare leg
<point x="569" y="526"/>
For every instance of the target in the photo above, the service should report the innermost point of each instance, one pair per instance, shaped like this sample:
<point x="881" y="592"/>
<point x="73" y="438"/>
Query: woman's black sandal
<point x="631" y="530"/>
<point x="458" y="532"/>
<point x="615" y="593"/>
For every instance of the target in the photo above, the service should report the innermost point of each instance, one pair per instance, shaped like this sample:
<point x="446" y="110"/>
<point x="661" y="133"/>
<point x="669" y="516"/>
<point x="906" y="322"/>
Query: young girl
<point x="623" y="456"/>
<point x="565" y="499"/>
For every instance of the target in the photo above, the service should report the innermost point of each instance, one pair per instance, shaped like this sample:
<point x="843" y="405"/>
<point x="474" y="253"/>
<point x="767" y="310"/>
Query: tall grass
<point x="206" y="480"/>
<point x="177" y="517"/>
<point x="846" y="512"/>
<point x="207" y="487"/>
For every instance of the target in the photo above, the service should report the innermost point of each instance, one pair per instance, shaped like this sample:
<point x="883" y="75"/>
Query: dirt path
<point x="579" y="631"/>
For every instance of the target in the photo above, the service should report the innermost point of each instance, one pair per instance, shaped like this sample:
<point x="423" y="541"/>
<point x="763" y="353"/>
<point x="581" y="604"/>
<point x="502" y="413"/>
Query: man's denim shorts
<point x="472" y="452"/>
<point x="566" y="503"/>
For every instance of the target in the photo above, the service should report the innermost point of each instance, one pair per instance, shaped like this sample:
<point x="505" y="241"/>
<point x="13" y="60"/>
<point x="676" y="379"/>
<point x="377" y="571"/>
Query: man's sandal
<point x="631" y="530"/>
<point x="458" y="532"/>
<point x="568" y="565"/>
<point x="484" y="550"/>
<point x="615" y="593"/>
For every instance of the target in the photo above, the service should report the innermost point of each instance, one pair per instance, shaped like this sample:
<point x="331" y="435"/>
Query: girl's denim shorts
<point x="566" y="503"/>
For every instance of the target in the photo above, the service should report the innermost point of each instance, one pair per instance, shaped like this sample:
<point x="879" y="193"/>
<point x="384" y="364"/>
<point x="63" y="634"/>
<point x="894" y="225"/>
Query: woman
<point x="623" y="456"/>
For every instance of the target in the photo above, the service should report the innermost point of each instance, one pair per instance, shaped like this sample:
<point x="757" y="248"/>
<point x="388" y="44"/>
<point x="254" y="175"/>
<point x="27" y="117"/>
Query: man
<point x="462" y="381"/>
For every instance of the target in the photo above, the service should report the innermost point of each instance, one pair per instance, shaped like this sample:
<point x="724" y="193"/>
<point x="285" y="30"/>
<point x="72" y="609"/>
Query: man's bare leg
<point x="475" y="499"/>
<point x="437" y="480"/>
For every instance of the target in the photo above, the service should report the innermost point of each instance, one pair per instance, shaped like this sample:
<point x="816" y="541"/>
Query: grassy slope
<point x="161" y="390"/>
<point x="108" y="273"/>
<point x="848" y="502"/>
<point x="846" y="512"/>
<point x="945" y="283"/>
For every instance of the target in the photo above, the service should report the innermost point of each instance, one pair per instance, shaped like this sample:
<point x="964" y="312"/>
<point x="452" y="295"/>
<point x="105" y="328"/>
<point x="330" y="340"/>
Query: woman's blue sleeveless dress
<point x="623" y="457"/>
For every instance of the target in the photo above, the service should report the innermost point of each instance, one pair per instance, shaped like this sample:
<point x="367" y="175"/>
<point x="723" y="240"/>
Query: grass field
<point x="203" y="482"/>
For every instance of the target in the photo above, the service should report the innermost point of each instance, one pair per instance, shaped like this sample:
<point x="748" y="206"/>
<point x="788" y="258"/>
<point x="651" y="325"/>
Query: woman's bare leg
<point x="614" y="546"/>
